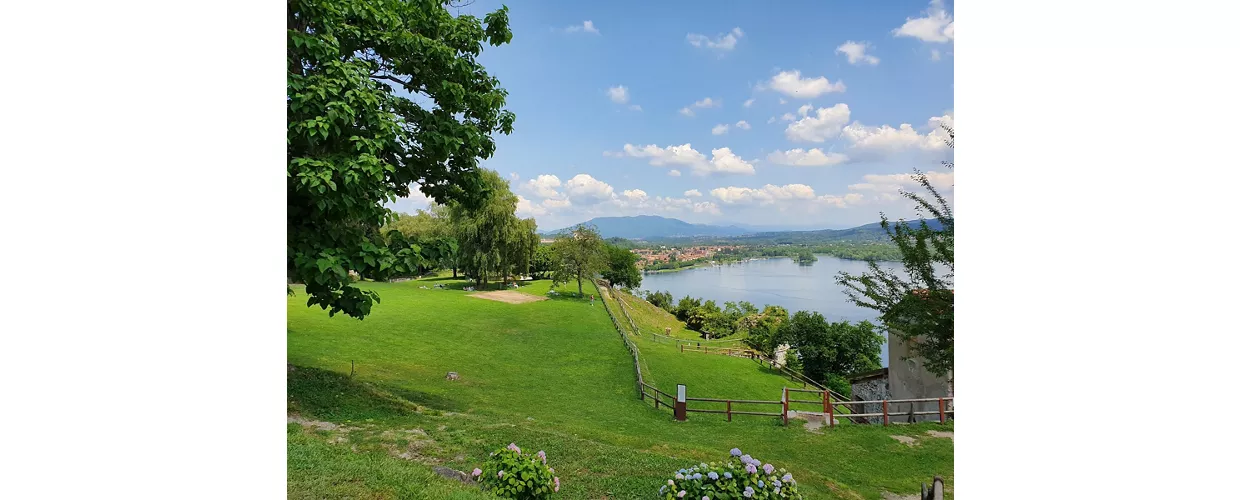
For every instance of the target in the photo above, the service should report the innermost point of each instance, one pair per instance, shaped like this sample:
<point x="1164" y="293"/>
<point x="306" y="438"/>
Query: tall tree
<point x="353" y="143"/>
<point x="621" y="267"/>
<point x="493" y="241"/>
<point x="916" y="305"/>
<point x="544" y="263"/>
<point x="581" y="255"/>
<point x="763" y="329"/>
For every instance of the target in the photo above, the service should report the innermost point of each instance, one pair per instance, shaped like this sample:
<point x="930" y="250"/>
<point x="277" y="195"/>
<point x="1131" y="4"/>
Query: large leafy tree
<point x="581" y="255"/>
<point x="544" y="263"/>
<point x="493" y="240"/>
<point x="358" y="136"/>
<point x="621" y="267"/>
<point x="830" y="351"/>
<point x="916" y="305"/>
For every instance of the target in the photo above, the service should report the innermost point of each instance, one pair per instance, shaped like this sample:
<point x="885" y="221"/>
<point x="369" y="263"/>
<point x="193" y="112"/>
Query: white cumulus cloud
<point x="888" y="139"/>
<point x="618" y="94"/>
<point x="791" y="84"/>
<point x="749" y="102"/>
<point x="764" y="195"/>
<point x="723" y="42"/>
<point x="801" y="158"/>
<point x="743" y="125"/>
<point x="855" y="51"/>
<point x="585" y="27"/>
<point x="673" y="172"/>
<point x="819" y="126"/>
<point x="719" y="129"/>
<point x="693" y="193"/>
<point x="543" y="186"/>
<point x="936" y="27"/>
<point x="587" y="190"/>
<point x="722" y="161"/>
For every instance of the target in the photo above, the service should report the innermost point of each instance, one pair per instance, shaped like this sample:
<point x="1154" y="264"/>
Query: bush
<point x="738" y="478"/>
<point x="510" y="474"/>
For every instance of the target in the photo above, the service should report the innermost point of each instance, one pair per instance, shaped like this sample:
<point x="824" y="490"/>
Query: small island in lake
<point x="806" y="258"/>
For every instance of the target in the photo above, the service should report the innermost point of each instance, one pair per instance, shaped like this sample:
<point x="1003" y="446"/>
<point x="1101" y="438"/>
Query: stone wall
<point x="870" y="387"/>
<point x="781" y="355"/>
<point x="909" y="379"/>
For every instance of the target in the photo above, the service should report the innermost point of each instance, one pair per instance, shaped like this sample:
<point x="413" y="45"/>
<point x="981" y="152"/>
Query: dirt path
<point x="508" y="296"/>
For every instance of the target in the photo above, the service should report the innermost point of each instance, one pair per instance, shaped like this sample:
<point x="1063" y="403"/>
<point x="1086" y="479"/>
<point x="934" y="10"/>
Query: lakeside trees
<point x="918" y="306"/>
<point x="581" y="256"/>
<point x="353" y="143"/>
<point x="830" y="351"/>
<point x="621" y="267"/>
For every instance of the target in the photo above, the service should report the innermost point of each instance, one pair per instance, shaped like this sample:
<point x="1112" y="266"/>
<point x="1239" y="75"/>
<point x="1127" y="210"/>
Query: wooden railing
<point x="726" y="351"/>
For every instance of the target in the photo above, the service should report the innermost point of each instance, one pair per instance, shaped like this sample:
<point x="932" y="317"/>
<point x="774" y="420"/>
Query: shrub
<point x="510" y="474"/>
<point x="740" y="477"/>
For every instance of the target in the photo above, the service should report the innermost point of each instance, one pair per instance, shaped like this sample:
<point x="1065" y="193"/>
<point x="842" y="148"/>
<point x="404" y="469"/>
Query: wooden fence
<point x="833" y="404"/>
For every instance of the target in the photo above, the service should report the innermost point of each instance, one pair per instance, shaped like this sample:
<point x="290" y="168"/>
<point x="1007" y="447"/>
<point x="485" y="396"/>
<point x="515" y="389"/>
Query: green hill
<point x="549" y="375"/>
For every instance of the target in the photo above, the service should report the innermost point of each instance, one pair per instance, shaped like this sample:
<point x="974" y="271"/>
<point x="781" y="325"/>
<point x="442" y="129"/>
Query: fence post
<point x="942" y="417"/>
<point x="729" y="410"/>
<point x="829" y="408"/>
<point x="681" y="405"/>
<point x="682" y="348"/>
<point x="886" y="420"/>
<point x="785" y="406"/>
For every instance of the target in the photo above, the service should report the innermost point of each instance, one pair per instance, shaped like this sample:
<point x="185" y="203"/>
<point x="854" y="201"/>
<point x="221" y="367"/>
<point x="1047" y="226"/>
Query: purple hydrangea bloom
<point x="557" y="484"/>
<point x="542" y="455"/>
<point x="513" y="447"/>
<point x="776" y="490"/>
<point x="727" y="475"/>
<point x="705" y="498"/>
<point x="787" y="478"/>
<point x="671" y="483"/>
<point x="477" y="472"/>
<point x="768" y="468"/>
<point x="681" y="494"/>
<point x="713" y="476"/>
<point x="748" y="491"/>
<point x="697" y="476"/>
<point x="761" y="484"/>
<point x="736" y="452"/>
<point x="679" y="476"/>
<point x="500" y="475"/>
<point x="745" y="459"/>
<point x="777" y="483"/>
<point x="751" y="469"/>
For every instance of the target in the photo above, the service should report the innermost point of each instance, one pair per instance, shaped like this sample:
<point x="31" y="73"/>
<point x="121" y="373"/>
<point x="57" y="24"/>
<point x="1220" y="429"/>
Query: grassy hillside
<point x="550" y="375"/>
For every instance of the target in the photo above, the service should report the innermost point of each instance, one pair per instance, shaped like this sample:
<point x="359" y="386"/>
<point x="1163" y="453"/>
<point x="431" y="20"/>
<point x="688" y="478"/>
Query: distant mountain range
<point x="653" y="227"/>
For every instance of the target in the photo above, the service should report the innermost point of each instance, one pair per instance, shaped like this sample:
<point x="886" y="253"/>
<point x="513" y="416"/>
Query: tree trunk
<point x="453" y="272"/>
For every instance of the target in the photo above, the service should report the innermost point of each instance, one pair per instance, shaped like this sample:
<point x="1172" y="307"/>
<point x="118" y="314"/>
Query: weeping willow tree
<point x="916" y="305"/>
<point x="492" y="240"/>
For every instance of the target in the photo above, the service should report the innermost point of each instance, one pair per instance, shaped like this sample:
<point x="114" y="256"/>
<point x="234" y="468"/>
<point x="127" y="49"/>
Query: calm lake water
<point x="779" y="281"/>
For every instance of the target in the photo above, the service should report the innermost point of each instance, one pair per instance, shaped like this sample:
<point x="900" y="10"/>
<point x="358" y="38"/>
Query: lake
<point x="777" y="281"/>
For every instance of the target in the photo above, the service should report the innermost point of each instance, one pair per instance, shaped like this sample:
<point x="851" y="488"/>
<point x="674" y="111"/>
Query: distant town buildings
<point x="648" y="256"/>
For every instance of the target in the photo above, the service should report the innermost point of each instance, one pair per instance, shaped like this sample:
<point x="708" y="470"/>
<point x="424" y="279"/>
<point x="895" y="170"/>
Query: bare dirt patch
<point x="508" y="296"/>
<point x="911" y="441"/>
<point x="942" y="434"/>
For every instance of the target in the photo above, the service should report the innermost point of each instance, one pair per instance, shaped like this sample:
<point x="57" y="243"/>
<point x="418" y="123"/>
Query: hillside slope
<point x="549" y="375"/>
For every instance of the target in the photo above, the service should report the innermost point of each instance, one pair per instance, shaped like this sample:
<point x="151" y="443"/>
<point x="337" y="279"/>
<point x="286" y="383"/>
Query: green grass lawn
<point x="551" y="375"/>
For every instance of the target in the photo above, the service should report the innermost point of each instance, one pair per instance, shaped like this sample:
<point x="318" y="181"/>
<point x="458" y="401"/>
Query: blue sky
<point x="770" y="113"/>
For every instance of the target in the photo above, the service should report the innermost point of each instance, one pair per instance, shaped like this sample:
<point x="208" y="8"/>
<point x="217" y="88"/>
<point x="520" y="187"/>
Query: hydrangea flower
<point x="777" y="483"/>
<point x="697" y="476"/>
<point x="662" y="489"/>
<point x="513" y="447"/>
<point x="768" y="468"/>
<point x="702" y="466"/>
<point x="680" y="476"/>
<point x="751" y="469"/>
<point x="714" y="476"/>
<point x="746" y="458"/>
<point x="500" y="475"/>
<point x="761" y="484"/>
<point x="557" y="484"/>
<point x="681" y="494"/>
<point x="542" y="455"/>
<point x="787" y="478"/>
<point x="705" y="498"/>
<point x="671" y="483"/>
<point x="727" y="475"/>
<point x="736" y="452"/>
<point x="776" y="490"/>
<point x="477" y="472"/>
<point x="748" y="491"/>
